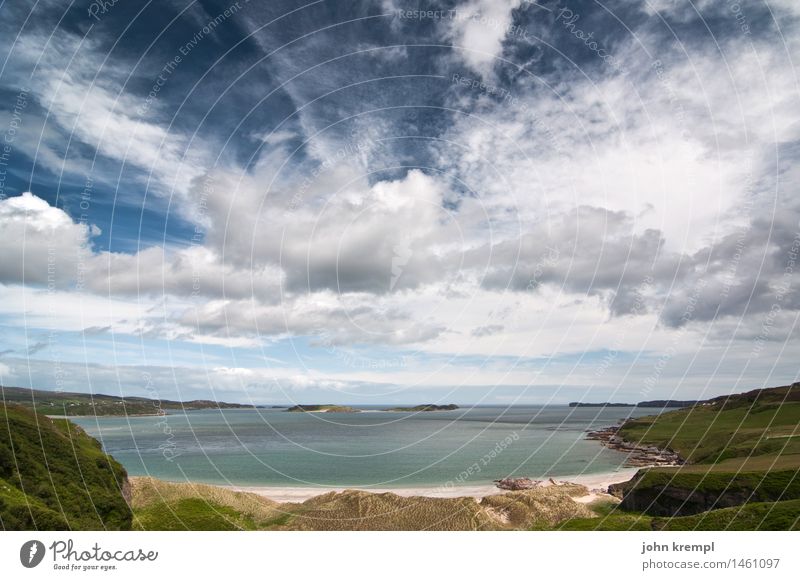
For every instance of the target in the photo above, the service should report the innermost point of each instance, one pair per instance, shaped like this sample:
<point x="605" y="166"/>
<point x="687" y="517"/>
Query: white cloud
<point x="86" y="103"/>
<point x="41" y="244"/>
<point x="479" y="29"/>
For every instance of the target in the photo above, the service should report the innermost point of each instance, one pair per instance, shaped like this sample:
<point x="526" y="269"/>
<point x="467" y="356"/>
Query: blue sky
<point x="481" y="201"/>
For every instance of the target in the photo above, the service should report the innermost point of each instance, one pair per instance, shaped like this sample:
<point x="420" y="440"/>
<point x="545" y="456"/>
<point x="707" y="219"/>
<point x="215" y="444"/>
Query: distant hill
<point x="321" y="409"/>
<point x="658" y="404"/>
<point x="53" y="476"/>
<point x="76" y="404"/>
<point x="424" y="408"/>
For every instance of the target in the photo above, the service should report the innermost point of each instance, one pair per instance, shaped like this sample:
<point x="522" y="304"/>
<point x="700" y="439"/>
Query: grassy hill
<point x="55" y="477"/>
<point x="160" y="505"/>
<point x="739" y="449"/>
<point x="782" y="515"/>
<point x="77" y="404"/>
<point x="728" y="431"/>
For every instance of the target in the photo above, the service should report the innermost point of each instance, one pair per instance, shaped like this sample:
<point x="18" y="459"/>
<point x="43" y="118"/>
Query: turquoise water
<point x="271" y="447"/>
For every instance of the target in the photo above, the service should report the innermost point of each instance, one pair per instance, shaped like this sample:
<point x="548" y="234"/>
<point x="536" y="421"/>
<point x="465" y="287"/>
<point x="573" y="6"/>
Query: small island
<point x="428" y="407"/>
<point x="322" y="409"/>
<point x="660" y="404"/>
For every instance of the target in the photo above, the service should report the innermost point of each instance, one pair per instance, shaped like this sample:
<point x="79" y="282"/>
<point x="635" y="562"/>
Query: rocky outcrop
<point x="517" y="483"/>
<point x="674" y="493"/>
<point x="638" y="455"/>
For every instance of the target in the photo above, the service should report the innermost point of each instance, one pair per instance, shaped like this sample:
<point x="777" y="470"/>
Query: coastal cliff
<point x="661" y="493"/>
<point x="725" y="452"/>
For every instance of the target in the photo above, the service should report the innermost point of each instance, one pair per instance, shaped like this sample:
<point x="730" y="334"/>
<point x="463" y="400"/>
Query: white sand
<point x="597" y="484"/>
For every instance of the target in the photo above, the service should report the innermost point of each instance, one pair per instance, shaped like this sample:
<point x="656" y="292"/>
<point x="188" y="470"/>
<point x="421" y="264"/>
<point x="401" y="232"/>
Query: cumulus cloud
<point x="377" y="202"/>
<point x="479" y="28"/>
<point x="41" y="244"/>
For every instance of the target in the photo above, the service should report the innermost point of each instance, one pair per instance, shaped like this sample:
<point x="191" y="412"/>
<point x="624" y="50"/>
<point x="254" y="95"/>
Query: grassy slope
<point x="160" y="505"/>
<point x="53" y="476"/>
<point x="741" y="448"/>
<point x="783" y="515"/>
<point x="728" y="430"/>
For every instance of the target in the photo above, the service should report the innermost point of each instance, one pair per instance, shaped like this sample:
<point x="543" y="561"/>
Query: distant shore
<point x="597" y="484"/>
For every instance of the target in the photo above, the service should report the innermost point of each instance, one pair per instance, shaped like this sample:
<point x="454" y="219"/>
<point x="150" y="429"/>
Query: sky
<point x="475" y="202"/>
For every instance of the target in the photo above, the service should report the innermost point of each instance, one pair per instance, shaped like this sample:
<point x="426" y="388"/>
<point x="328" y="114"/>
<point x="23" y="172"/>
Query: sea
<point x="372" y="448"/>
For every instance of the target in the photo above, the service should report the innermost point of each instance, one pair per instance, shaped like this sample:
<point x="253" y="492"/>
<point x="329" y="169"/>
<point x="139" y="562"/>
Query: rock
<point x="517" y="483"/>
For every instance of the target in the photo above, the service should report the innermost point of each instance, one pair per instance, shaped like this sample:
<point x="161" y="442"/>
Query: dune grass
<point x="160" y="505"/>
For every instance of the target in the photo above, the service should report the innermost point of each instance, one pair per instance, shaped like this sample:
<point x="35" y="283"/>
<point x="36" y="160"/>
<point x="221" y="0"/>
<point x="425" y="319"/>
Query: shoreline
<point x="596" y="484"/>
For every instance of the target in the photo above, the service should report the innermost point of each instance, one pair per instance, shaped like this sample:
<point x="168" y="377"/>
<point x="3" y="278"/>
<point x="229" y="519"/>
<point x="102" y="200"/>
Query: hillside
<point x="776" y="516"/>
<point x="53" y="476"/>
<point x="77" y="404"/>
<point x="424" y="408"/>
<point x="657" y="404"/>
<point x="321" y="409"/>
<point x="160" y="505"/>
<point x="738" y="449"/>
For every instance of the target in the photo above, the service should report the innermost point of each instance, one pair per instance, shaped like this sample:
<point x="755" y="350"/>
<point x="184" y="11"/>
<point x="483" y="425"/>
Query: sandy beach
<point x="596" y="483"/>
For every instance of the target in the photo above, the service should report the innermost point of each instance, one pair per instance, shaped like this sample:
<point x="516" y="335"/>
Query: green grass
<point x="739" y="449"/>
<point x="762" y="485"/>
<point x="161" y="505"/>
<point x="192" y="514"/>
<point x="783" y="515"/>
<point x="55" y="477"/>
<point x="714" y="434"/>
